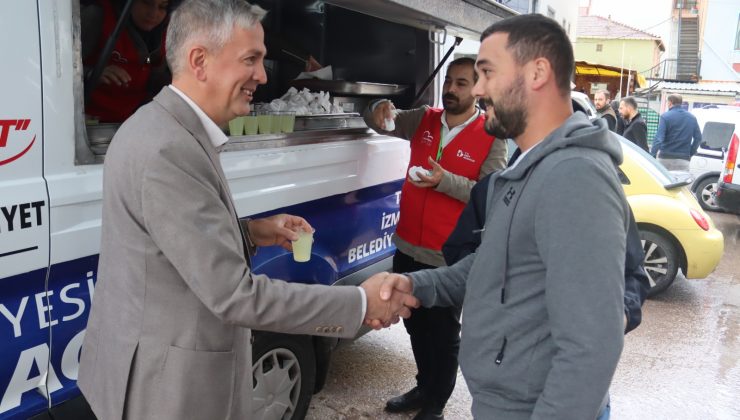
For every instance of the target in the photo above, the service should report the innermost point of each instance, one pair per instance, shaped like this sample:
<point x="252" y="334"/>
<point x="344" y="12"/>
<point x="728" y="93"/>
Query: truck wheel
<point x="705" y="193"/>
<point x="661" y="260"/>
<point x="283" y="375"/>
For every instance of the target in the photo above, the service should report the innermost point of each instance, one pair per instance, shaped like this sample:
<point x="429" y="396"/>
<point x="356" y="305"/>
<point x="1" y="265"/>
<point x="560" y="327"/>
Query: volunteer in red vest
<point x="452" y="146"/>
<point x="136" y="69"/>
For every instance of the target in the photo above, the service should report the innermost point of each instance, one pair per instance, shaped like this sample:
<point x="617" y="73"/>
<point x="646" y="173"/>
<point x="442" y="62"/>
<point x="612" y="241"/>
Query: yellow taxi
<point x="675" y="231"/>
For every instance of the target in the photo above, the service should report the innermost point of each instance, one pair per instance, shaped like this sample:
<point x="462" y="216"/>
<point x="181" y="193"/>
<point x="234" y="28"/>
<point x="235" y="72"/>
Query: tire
<point x="705" y="192"/>
<point x="283" y="375"/>
<point x="323" y="348"/>
<point x="661" y="260"/>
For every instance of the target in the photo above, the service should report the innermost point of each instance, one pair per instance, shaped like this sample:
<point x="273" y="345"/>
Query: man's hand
<point x="388" y="299"/>
<point x="279" y="230"/>
<point x="114" y="75"/>
<point x="384" y="110"/>
<point x="432" y="180"/>
<point x="312" y="64"/>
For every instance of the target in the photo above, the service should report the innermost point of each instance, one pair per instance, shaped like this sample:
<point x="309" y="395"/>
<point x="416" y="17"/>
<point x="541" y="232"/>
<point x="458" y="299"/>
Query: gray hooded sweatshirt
<point x="543" y="295"/>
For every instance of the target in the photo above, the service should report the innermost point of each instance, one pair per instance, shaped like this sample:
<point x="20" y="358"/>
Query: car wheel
<point x="705" y="193"/>
<point x="283" y="375"/>
<point x="661" y="260"/>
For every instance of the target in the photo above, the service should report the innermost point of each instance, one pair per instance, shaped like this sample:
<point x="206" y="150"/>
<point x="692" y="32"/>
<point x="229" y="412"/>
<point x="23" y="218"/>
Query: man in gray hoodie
<point x="542" y="297"/>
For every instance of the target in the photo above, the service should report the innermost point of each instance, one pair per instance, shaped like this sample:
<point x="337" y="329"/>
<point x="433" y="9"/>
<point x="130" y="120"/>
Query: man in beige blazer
<point x="168" y="335"/>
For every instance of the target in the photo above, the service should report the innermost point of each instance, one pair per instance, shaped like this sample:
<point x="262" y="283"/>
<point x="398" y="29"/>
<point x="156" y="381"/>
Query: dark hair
<point x="604" y="92"/>
<point x="533" y="36"/>
<point x="630" y="101"/>
<point x="465" y="61"/>
<point x="675" y="99"/>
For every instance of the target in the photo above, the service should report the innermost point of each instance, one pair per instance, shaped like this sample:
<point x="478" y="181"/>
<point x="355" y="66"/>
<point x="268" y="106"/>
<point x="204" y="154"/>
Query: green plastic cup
<point x="236" y="127"/>
<point x="287" y="121"/>
<point x="251" y="124"/>
<point x="264" y="122"/>
<point x="275" y="122"/>
<point x="302" y="246"/>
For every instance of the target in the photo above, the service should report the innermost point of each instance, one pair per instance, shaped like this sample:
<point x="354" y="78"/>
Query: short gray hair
<point x="210" y="22"/>
<point x="675" y="99"/>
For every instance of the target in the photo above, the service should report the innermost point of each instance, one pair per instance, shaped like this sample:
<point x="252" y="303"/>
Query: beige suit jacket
<point x="168" y="335"/>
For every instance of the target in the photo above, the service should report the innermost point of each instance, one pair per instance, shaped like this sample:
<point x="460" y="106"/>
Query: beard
<point x="453" y="105"/>
<point x="509" y="117"/>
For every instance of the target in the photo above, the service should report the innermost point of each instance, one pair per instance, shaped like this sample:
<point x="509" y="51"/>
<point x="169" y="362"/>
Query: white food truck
<point x="334" y="171"/>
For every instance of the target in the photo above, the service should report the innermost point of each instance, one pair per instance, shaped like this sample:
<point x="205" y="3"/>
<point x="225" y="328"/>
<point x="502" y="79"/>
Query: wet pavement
<point x="683" y="362"/>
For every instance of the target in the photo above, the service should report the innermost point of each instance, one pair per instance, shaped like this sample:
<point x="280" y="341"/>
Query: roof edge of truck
<point x="464" y="18"/>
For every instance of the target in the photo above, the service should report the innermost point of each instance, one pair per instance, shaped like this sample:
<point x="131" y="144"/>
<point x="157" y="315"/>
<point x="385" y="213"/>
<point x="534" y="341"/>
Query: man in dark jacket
<point x="635" y="127"/>
<point x="466" y="238"/>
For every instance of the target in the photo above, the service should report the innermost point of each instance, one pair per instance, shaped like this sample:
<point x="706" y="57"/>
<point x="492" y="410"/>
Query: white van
<point x="341" y="176"/>
<point x="728" y="191"/>
<point x="717" y="125"/>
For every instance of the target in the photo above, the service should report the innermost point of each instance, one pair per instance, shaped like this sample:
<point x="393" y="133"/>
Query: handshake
<point x="389" y="299"/>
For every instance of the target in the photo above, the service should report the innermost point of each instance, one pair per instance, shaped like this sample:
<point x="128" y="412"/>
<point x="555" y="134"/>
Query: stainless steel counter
<point x="273" y="141"/>
<point x="308" y="129"/>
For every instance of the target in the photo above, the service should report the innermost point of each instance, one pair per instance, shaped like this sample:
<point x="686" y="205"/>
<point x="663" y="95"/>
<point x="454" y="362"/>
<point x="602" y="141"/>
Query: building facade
<point x="601" y="40"/>
<point x="720" y="49"/>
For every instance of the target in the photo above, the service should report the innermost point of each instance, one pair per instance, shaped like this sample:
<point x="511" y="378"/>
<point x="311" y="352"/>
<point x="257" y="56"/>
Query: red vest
<point x="427" y="216"/>
<point x="112" y="103"/>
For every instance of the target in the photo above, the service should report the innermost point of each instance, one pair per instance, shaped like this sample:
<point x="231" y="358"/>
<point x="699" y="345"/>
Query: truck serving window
<point x="383" y="60"/>
<point x="122" y="53"/>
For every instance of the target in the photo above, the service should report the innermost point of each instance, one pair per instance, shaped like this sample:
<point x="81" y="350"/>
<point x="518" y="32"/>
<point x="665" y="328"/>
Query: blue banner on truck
<point x="42" y="328"/>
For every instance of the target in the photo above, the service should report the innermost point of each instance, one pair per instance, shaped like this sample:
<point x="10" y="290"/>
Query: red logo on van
<point x="20" y="125"/>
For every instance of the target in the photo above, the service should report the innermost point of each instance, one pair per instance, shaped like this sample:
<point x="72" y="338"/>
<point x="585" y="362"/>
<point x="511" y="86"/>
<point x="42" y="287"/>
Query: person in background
<point x="678" y="137"/>
<point x="543" y="327"/>
<point x="169" y="330"/>
<point x="601" y="101"/>
<point x="453" y="145"/>
<point x="136" y="69"/>
<point x="635" y="127"/>
<point x="620" y="122"/>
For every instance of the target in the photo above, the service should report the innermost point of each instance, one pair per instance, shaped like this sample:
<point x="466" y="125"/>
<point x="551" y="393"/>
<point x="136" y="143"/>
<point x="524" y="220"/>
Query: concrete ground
<point x="683" y="362"/>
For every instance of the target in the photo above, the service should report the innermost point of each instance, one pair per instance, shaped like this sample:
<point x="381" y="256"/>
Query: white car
<point x="584" y="102"/>
<point x="717" y="125"/>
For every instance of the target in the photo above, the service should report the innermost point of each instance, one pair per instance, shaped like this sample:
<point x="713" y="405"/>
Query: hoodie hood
<point x="576" y="131"/>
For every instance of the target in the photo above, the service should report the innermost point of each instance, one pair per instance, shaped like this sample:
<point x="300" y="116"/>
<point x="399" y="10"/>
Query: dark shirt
<point x="608" y="114"/>
<point x="635" y="131"/>
<point x="676" y="129"/>
<point x="611" y="121"/>
<point x="466" y="237"/>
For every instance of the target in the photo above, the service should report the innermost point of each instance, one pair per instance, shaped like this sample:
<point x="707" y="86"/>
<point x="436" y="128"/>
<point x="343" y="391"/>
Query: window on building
<point x="550" y="12"/>
<point x="599" y="47"/>
<point x="737" y="33"/>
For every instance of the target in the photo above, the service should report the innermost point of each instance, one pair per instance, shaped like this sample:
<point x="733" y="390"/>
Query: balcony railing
<point x="685" y="4"/>
<point x="673" y="69"/>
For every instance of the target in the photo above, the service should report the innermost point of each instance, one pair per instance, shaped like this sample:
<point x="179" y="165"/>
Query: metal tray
<point x="328" y="121"/>
<point x="342" y="87"/>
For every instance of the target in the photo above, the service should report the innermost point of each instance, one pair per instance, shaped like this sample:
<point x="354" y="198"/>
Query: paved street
<point x="683" y="362"/>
